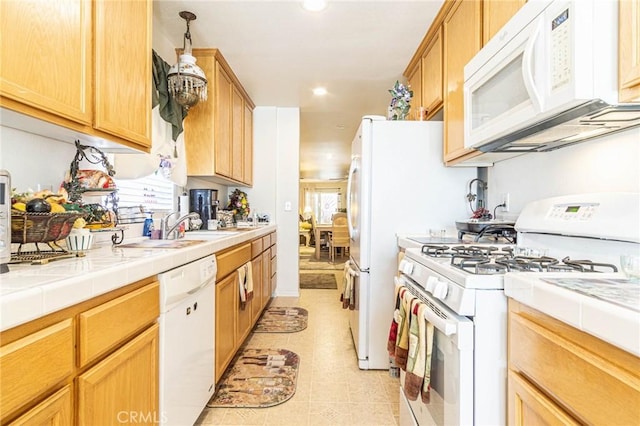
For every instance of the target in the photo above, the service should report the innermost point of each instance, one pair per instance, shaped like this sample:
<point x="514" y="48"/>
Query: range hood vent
<point x="586" y="121"/>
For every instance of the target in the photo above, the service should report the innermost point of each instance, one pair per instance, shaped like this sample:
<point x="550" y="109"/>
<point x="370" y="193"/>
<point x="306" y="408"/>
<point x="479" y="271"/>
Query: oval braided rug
<point x="258" y="378"/>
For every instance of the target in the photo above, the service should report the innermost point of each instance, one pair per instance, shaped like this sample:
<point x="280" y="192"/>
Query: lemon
<point x="57" y="208"/>
<point x="79" y="223"/>
<point x="19" y="206"/>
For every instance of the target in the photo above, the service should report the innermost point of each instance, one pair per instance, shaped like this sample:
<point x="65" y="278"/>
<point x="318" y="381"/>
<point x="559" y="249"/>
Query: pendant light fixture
<point x="187" y="82"/>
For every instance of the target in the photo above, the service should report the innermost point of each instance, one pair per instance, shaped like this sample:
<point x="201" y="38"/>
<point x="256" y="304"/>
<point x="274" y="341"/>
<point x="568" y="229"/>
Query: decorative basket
<point x="41" y="227"/>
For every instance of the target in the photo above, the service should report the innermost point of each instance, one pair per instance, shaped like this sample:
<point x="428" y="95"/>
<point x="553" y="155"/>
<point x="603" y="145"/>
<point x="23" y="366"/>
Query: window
<point x="324" y="202"/>
<point x="154" y="193"/>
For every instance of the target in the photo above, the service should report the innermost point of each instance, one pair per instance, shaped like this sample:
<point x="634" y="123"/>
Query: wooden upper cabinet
<point x="414" y="80"/>
<point x="223" y="131"/>
<point x="45" y="56"/>
<point x="462" y="40"/>
<point x="83" y="65"/>
<point x="496" y="13"/>
<point x="432" y="75"/>
<point x="629" y="51"/>
<point x="247" y="169"/>
<point x="216" y="129"/>
<point x="123" y="80"/>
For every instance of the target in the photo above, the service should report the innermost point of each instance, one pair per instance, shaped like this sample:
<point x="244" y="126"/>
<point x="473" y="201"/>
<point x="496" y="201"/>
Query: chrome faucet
<point x="166" y="231"/>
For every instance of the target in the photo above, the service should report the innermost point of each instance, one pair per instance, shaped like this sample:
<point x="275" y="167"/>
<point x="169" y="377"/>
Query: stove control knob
<point x="440" y="291"/>
<point x="432" y="282"/>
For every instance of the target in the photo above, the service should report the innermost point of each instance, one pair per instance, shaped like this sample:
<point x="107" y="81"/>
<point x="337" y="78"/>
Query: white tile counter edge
<point x="29" y="292"/>
<point x="604" y="320"/>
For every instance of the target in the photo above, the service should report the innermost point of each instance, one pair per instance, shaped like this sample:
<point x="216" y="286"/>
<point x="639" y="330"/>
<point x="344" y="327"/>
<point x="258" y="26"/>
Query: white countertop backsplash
<point x="29" y="291"/>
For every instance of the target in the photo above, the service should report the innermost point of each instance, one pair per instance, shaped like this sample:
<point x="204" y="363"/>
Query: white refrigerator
<point x="398" y="184"/>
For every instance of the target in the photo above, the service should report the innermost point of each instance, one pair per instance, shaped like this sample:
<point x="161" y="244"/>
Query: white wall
<point x="287" y="180"/>
<point x="610" y="163"/>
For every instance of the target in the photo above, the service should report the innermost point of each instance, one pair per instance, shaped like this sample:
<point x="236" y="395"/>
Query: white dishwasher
<point x="187" y="303"/>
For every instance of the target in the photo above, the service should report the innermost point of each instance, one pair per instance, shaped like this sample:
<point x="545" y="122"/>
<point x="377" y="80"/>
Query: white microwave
<point x="548" y="79"/>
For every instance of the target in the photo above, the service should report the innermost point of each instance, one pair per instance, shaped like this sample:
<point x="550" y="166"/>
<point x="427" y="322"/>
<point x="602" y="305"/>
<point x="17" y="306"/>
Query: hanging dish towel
<point x="426" y="383"/>
<point x="393" y="329"/>
<point x="402" y="342"/>
<point x="245" y="284"/>
<point x="413" y="381"/>
<point x="348" y="296"/>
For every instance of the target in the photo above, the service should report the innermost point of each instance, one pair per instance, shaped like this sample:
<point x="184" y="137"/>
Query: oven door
<point x="451" y="401"/>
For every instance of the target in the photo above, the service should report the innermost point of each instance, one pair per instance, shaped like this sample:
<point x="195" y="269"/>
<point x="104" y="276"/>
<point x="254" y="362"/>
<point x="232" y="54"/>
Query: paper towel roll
<point x="183" y="205"/>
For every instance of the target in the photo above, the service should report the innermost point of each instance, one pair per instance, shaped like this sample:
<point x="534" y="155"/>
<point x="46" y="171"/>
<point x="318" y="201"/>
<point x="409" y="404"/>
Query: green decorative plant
<point x="400" y="101"/>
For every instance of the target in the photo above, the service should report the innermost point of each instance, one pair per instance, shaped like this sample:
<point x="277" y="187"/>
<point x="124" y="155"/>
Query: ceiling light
<point x="319" y="91"/>
<point x="314" y="5"/>
<point x="187" y="82"/>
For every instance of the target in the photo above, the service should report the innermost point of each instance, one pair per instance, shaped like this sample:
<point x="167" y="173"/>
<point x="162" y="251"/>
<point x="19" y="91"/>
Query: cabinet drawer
<point x="257" y="247"/>
<point x="575" y="369"/>
<point x="32" y="365"/>
<point x="273" y="266"/>
<point x="232" y="259"/>
<point x="104" y="327"/>
<point x="273" y="252"/>
<point x="273" y="238"/>
<point x="266" y="241"/>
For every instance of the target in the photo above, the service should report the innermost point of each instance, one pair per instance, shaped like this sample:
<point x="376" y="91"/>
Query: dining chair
<point x="339" y="236"/>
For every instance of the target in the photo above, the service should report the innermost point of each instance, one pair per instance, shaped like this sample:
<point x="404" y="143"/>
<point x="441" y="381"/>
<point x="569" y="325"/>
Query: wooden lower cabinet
<point x="123" y="388"/>
<point x="561" y="375"/>
<point x="56" y="410"/>
<point x="257" y="303"/>
<point x="529" y="406"/>
<point x="88" y="364"/>
<point x="226" y="302"/>
<point x="266" y="277"/>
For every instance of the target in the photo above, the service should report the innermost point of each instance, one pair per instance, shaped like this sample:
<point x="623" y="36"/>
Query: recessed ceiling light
<point x="319" y="91"/>
<point x="314" y="5"/>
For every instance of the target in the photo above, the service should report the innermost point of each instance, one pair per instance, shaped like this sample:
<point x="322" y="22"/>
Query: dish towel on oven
<point x="393" y="329"/>
<point x="245" y="284"/>
<point x="347" y="297"/>
<point x="402" y="342"/>
<point x="417" y="379"/>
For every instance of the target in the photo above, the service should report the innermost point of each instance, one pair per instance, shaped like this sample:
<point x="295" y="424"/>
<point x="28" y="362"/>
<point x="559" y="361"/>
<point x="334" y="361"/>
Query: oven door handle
<point x="444" y="325"/>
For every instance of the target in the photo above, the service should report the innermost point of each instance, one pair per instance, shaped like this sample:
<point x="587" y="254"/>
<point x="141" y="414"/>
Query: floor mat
<point x="282" y="319"/>
<point x="308" y="260"/>
<point x="318" y="281"/>
<point x="258" y="378"/>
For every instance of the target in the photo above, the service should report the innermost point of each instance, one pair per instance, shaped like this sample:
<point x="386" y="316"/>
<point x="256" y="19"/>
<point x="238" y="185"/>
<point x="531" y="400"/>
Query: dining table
<point x="319" y="230"/>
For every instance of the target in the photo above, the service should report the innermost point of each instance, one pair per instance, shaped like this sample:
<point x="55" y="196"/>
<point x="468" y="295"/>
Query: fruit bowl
<point x="41" y="227"/>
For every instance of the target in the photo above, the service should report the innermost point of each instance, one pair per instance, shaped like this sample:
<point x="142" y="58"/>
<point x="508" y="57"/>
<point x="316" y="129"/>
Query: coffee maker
<point x="204" y="202"/>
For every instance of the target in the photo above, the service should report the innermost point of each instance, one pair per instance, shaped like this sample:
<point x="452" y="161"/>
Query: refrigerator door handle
<point x="352" y="169"/>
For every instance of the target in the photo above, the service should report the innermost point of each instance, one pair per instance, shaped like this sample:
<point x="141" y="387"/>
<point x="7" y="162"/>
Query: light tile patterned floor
<point x="331" y="390"/>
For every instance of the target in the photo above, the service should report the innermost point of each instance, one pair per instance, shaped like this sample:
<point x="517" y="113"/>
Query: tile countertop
<point x="29" y="291"/>
<point x="605" y="305"/>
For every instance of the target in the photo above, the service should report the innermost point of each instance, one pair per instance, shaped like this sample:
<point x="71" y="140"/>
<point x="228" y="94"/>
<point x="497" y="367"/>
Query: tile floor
<point x="331" y="390"/>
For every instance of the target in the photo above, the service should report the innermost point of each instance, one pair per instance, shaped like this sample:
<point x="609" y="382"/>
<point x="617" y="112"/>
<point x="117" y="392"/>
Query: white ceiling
<point x="355" y="49"/>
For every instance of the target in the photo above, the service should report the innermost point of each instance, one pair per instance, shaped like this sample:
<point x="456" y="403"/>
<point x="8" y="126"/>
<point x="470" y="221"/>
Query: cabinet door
<point x="46" y="53"/>
<point x="256" y="268"/>
<point x="55" y="411"/>
<point x="222" y="130"/>
<point x="122" y="34"/>
<point x="528" y="406"/>
<point x="244" y="317"/>
<point x="414" y="80"/>
<point x="629" y="51"/>
<point x="226" y="308"/>
<point x="123" y="385"/>
<point x="266" y="277"/>
<point x="496" y="13"/>
<point x="237" y="146"/>
<point x="432" y="75"/>
<point x="462" y="40"/>
<point x="247" y="140"/>
<point x="33" y="365"/>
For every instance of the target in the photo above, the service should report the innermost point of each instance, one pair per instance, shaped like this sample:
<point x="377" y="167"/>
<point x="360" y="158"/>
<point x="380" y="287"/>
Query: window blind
<point x="154" y="193"/>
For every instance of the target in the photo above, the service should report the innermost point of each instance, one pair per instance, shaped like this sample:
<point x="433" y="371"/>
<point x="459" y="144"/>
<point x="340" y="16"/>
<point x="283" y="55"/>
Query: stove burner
<point x="436" y="250"/>
<point x="588" y="266"/>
